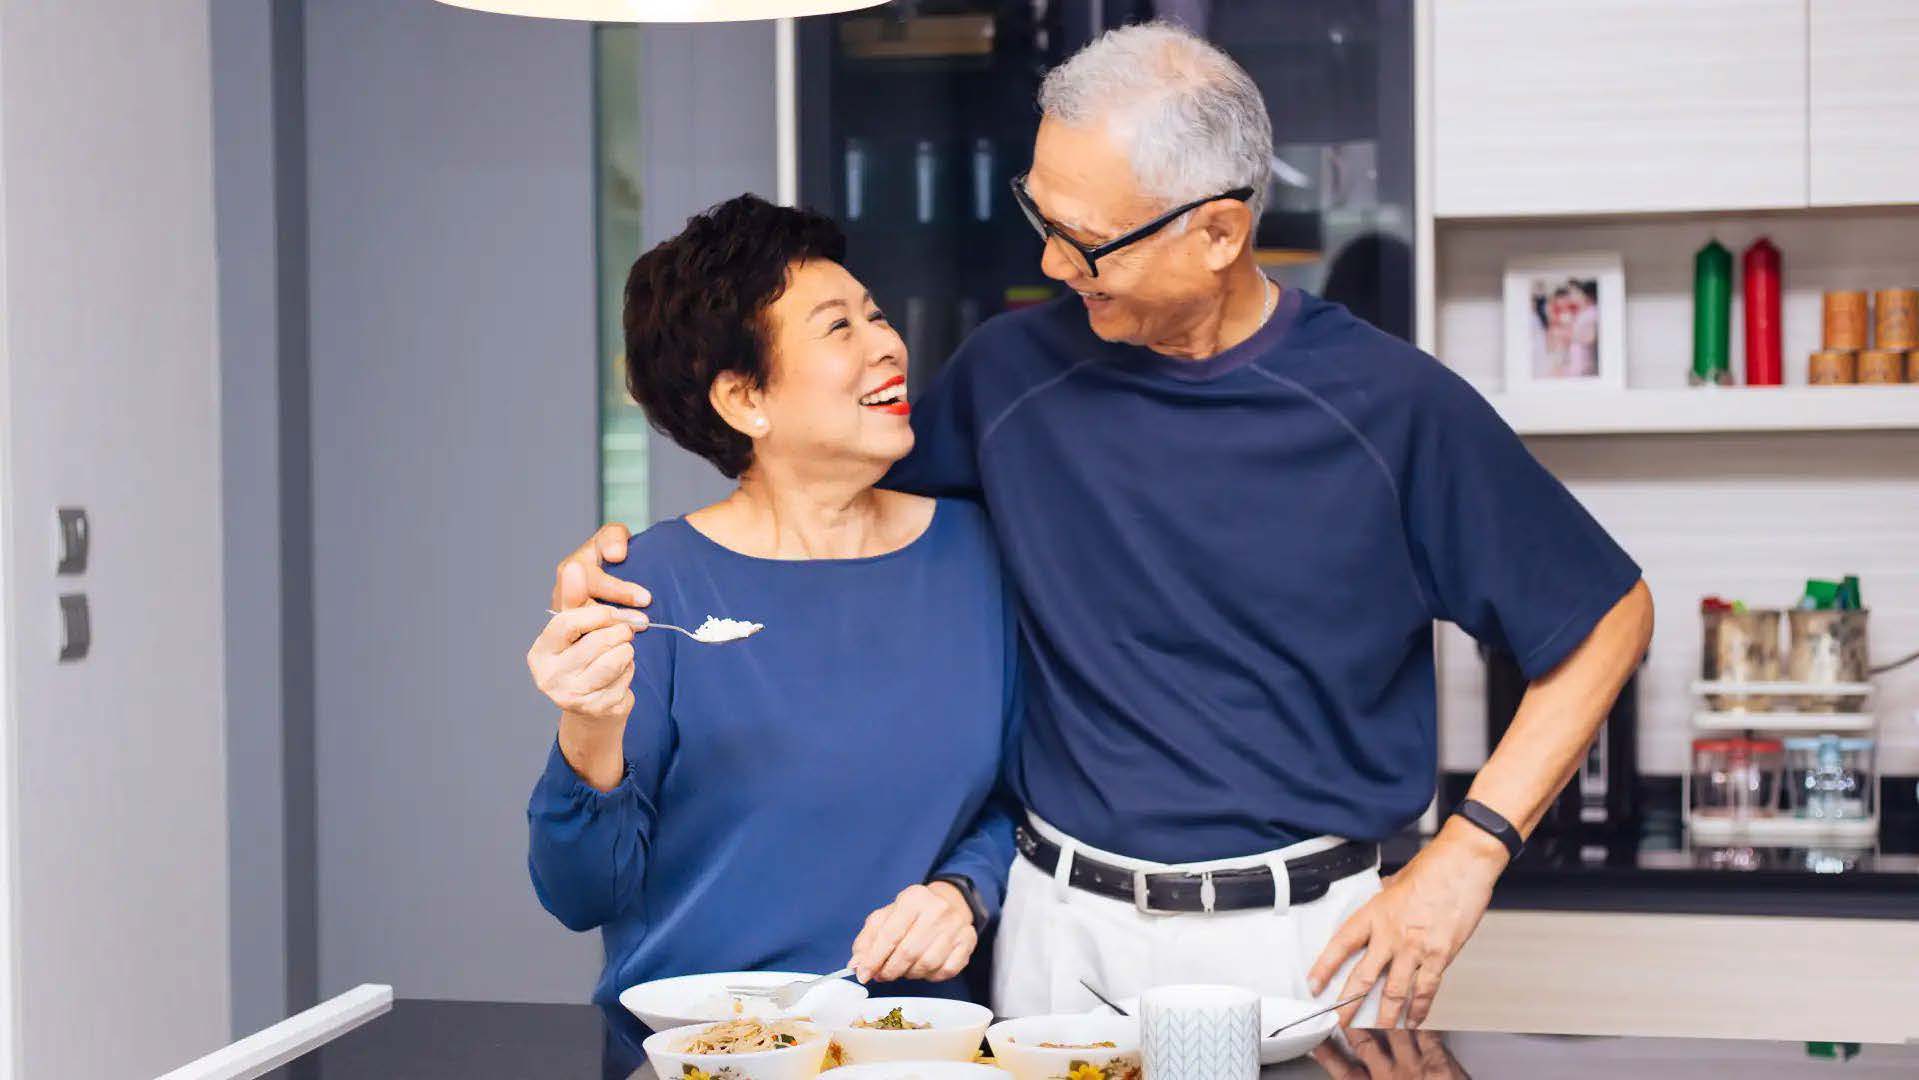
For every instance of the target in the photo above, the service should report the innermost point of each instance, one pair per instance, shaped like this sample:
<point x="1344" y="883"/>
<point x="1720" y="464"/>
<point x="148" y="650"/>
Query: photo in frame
<point x="1565" y="322"/>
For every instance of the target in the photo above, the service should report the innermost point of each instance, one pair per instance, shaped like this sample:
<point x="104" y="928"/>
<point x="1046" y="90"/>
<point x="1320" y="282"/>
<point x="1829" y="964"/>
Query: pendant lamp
<point x="664" y="11"/>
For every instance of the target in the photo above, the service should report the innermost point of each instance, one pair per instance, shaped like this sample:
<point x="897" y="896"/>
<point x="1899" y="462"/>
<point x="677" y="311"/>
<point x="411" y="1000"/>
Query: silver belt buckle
<point x="1207" y="894"/>
<point x="1141" y="895"/>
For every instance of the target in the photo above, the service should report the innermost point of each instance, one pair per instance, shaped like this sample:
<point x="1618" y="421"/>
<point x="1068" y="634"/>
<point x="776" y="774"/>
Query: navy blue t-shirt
<point x="1229" y="568"/>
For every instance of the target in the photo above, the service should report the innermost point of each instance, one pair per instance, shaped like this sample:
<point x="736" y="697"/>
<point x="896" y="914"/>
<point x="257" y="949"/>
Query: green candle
<point x="1712" y="315"/>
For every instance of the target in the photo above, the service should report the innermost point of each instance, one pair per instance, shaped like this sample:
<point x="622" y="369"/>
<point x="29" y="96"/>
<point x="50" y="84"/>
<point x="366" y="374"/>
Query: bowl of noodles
<point x="694" y="999"/>
<point x="1075" y="1045"/>
<point x="912" y="1029"/>
<point x="919" y="1070"/>
<point x="742" y="1049"/>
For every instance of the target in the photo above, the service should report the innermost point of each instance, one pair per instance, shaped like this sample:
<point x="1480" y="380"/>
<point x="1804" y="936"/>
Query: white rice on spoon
<point x="717" y="630"/>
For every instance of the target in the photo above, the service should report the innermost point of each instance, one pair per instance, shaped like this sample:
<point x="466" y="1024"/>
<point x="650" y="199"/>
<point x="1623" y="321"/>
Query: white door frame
<point x="786" y="120"/>
<point x="9" y="815"/>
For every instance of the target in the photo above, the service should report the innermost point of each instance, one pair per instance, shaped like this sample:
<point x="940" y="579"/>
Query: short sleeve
<point x="1506" y="551"/>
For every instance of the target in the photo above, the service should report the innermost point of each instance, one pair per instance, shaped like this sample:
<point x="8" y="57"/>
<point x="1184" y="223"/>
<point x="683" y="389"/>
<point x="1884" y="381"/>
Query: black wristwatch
<point x="1492" y="821"/>
<point x="965" y="886"/>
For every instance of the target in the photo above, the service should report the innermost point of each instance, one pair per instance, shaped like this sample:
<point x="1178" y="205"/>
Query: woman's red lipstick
<point x="896" y="408"/>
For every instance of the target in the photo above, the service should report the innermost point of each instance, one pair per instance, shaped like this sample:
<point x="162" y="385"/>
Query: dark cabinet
<point x="914" y="116"/>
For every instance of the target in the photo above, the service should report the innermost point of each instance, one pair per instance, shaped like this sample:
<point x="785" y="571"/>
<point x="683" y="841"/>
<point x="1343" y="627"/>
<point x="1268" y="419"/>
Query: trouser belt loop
<point x="1282" y="884"/>
<point x="1063" y="870"/>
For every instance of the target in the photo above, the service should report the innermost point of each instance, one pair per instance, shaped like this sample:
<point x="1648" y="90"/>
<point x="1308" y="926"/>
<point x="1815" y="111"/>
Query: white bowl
<point x="701" y="999"/>
<point x="918" y="1070"/>
<point x="958" y="1027"/>
<point x="799" y="1062"/>
<point x="1274" y="1011"/>
<point x="1016" y="1046"/>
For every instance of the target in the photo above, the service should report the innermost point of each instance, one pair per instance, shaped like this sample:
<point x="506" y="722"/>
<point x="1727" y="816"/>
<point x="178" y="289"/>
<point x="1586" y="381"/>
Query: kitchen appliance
<point x="1601" y="801"/>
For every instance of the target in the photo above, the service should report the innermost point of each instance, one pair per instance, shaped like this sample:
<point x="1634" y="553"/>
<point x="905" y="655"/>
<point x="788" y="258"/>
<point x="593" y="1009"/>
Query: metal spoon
<point x="1311" y="1015"/>
<point x="1104" y="1000"/>
<point x="696" y="637"/>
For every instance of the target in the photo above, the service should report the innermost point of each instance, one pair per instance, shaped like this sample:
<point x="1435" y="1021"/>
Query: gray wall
<point x="692" y="158"/>
<point x="110" y="364"/>
<point x="453" y="405"/>
<point x="245" y="174"/>
<point x="414" y="184"/>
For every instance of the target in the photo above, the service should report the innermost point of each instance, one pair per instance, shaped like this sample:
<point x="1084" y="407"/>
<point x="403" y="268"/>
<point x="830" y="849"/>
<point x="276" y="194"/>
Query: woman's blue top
<point x="780" y="788"/>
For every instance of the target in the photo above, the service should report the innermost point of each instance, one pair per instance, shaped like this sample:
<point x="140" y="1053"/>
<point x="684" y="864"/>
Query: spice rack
<point x="1776" y="828"/>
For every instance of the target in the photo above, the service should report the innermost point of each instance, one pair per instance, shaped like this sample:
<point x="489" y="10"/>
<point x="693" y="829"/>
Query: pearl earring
<point x="759" y="421"/>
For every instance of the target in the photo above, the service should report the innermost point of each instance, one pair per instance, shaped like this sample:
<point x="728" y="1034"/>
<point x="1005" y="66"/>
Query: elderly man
<point x="1233" y="512"/>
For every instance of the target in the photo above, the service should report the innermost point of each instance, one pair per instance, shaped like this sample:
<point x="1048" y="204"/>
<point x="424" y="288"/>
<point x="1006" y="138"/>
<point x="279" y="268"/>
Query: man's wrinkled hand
<point x="593" y="582"/>
<point x="1414" y="928"/>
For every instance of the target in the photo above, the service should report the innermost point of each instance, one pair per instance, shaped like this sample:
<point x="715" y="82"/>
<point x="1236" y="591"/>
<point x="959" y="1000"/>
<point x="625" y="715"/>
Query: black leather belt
<point x="1217" y="890"/>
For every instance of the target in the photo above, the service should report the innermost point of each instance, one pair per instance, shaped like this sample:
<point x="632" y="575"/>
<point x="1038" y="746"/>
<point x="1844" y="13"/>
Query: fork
<point x="669" y="626"/>
<point x="787" y="995"/>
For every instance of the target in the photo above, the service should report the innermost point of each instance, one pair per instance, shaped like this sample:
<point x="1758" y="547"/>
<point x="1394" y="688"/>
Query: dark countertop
<point x="450" y="1040"/>
<point x="1652" y="868"/>
<point x="1656" y="876"/>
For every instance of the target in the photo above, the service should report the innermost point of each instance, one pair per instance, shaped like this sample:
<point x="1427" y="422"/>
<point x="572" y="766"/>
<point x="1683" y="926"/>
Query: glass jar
<point x="1736" y="778"/>
<point x="1829" y="778"/>
<point x="1827" y="647"/>
<point x="1739" y="647"/>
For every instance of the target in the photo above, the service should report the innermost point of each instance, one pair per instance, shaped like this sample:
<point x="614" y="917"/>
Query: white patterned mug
<point x="1200" y="1033"/>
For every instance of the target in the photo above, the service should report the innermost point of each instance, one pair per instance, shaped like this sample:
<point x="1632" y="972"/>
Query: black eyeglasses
<point x="1087" y="258"/>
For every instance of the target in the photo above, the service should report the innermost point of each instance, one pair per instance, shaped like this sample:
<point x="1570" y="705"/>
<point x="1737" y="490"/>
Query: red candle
<point x="1761" y="270"/>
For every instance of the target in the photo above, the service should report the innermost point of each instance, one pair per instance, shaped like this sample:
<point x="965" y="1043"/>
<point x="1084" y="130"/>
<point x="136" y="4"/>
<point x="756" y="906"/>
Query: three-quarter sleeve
<point x="587" y="849"/>
<point x="984" y="855"/>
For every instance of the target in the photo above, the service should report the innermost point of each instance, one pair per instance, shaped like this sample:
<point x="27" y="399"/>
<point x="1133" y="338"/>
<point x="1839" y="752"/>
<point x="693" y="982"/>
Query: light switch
<point x="72" y="540"/>
<point x="76" y="628"/>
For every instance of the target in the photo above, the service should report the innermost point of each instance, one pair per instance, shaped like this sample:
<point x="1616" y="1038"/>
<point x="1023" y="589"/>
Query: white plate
<point x="1274" y="1011"/>
<point x="918" y="1070"/>
<point x="958" y="1027"/>
<point x="679" y="1001"/>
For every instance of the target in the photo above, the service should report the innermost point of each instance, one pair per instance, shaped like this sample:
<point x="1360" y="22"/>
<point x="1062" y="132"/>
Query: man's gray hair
<point x="1190" y="118"/>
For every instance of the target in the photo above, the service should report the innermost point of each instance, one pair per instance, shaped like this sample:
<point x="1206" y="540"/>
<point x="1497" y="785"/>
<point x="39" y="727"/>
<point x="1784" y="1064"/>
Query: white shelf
<point x="1784" y="831"/>
<point x="1554" y="411"/>
<point x="1783" y="721"/>
<point x="1771" y="689"/>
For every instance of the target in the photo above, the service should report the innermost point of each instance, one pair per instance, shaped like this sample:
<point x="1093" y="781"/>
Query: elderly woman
<point x="765" y="803"/>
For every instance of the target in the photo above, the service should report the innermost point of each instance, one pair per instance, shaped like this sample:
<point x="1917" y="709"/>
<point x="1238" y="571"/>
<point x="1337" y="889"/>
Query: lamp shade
<point x="664" y="11"/>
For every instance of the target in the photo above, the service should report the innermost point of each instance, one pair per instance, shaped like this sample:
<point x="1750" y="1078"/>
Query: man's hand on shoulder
<point x="594" y="583"/>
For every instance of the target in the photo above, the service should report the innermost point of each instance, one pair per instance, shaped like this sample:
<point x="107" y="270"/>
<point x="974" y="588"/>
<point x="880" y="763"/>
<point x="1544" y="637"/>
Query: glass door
<point x="1337" y="76"/>
<point x="914" y="116"/>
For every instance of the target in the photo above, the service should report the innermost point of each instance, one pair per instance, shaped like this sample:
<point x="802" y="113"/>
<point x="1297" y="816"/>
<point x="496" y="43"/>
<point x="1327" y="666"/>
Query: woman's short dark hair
<point x="696" y="306"/>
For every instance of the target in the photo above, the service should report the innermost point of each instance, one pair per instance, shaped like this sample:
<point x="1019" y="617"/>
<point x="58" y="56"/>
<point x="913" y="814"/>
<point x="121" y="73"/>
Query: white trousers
<point x="1052" y="935"/>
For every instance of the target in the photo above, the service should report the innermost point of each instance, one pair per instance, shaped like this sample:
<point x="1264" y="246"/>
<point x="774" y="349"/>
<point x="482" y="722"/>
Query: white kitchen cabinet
<point x="1864" y="102"/>
<point x="1621" y="106"/>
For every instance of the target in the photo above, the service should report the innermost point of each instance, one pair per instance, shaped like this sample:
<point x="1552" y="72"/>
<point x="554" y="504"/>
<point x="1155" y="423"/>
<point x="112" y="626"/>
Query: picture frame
<point x="1565" y="322"/>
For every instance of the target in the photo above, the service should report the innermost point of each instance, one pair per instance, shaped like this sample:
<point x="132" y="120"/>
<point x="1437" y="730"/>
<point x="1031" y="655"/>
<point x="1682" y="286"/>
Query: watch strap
<point x="967" y="890"/>
<point x="1492" y="821"/>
